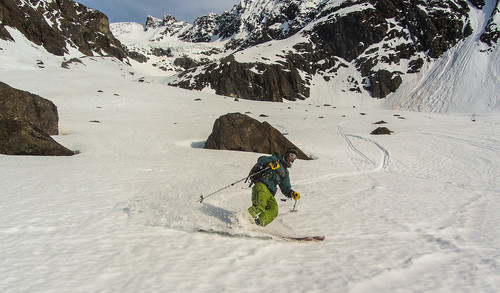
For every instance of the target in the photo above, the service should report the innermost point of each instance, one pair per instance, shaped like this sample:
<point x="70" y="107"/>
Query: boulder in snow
<point x="26" y="123"/>
<point x="20" y="137"/>
<point x="239" y="132"/>
<point x="381" y="130"/>
<point x="39" y="111"/>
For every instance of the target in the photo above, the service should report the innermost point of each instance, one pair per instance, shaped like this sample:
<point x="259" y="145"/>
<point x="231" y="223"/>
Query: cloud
<point x="138" y="10"/>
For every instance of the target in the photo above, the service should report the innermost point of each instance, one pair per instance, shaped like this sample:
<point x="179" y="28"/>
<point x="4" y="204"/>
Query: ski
<point x="305" y="238"/>
<point x="237" y="235"/>
<point x="265" y="237"/>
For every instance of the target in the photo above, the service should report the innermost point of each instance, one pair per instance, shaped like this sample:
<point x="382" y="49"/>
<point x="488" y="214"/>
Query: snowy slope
<point x="464" y="79"/>
<point x="416" y="211"/>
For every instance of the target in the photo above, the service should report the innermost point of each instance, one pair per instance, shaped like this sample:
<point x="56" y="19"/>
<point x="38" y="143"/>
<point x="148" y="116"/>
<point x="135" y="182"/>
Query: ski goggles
<point x="290" y="158"/>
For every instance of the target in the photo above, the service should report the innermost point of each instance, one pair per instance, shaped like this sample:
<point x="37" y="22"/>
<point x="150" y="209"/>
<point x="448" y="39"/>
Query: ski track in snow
<point x="385" y="154"/>
<point x="380" y="166"/>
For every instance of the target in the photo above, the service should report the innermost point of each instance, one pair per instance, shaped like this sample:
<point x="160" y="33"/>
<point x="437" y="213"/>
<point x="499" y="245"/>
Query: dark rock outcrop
<point x="478" y="3"/>
<point x="19" y="137"/>
<point x="383" y="82"/>
<point x="137" y="56"/>
<point x="491" y="34"/>
<point x="57" y="24"/>
<point x="264" y="82"/>
<point x="39" y="111"/>
<point x="239" y="132"/>
<point x="26" y="120"/>
<point x="186" y="62"/>
<point x="381" y="131"/>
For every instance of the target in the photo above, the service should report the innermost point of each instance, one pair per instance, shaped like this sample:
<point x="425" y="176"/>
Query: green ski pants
<point x="264" y="204"/>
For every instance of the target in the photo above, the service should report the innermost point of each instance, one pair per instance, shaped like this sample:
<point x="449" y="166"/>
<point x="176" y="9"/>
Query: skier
<point x="264" y="207"/>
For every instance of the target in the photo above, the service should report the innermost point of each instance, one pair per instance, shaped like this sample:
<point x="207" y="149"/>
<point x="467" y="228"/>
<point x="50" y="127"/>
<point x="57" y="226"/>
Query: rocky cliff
<point x="59" y="24"/>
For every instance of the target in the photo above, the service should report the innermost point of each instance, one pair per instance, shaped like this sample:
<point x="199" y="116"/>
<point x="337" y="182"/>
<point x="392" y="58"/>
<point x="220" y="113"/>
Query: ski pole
<point x="293" y="208"/>
<point x="232" y="184"/>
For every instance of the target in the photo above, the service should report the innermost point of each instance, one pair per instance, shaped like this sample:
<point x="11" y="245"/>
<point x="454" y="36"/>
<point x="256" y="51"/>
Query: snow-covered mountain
<point x="415" y="55"/>
<point x="336" y="51"/>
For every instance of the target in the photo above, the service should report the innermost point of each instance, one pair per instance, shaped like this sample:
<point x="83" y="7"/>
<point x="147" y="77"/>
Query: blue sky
<point x="138" y="10"/>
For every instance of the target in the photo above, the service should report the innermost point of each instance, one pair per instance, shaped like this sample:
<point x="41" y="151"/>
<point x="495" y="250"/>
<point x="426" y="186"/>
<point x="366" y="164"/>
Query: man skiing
<point x="267" y="174"/>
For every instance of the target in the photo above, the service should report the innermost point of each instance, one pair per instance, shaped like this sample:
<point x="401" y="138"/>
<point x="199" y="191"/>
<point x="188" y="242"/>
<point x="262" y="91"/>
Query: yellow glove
<point x="295" y="195"/>
<point x="274" y="165"/>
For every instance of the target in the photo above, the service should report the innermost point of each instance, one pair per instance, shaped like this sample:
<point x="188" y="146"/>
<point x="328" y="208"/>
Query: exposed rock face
<point x="20" y="137"/>
<point x="248" y="81"/>
<point x="239" y="132"/>
<point x="137" y="56"/>
<point x="383" y="82"/>
<point x="203" y="29"/>
<point x="40" y="112"/>
<point x="492" y="32"/>
<point x="186" y="63"/>
<point x="478" y="3"/>
<point x="57" y="24"/>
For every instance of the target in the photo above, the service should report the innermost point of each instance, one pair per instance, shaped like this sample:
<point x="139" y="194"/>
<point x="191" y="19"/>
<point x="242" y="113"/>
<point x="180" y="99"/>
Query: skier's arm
<point x="287" y="190"/>
<point x="286" y="187"/>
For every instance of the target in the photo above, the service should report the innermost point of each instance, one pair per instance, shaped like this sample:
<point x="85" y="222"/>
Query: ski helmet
<point x="290" y="156"/>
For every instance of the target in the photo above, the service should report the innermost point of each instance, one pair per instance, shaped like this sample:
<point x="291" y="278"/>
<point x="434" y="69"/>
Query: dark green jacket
<point x="278" y="177"/>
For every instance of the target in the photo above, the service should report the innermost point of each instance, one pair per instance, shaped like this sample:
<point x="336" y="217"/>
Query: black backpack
<point x="256" y="172"/>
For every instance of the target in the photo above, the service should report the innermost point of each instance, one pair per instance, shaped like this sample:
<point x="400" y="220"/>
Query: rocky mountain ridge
<point x="380" y="40"/>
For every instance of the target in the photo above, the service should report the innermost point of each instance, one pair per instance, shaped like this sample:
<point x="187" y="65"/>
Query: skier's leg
<point x="260" y="196"/>
<point x="270" y="213"/>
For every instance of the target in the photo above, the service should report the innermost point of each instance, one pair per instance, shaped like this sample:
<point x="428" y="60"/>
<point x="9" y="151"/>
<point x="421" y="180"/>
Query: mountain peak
<point x="154" y="23"/>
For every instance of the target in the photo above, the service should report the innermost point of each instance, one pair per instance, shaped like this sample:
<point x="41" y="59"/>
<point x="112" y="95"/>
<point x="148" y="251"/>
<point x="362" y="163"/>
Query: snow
<point x="416" y="211"/>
